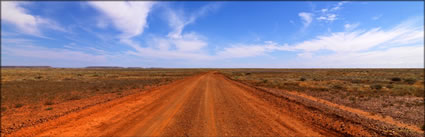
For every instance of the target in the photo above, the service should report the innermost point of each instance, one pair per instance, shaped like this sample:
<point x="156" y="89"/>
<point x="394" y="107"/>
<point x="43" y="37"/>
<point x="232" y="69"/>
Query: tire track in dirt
<point x="202" y="105"/>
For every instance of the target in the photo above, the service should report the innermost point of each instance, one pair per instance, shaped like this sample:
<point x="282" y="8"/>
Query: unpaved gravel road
<point x="204" y="105"/>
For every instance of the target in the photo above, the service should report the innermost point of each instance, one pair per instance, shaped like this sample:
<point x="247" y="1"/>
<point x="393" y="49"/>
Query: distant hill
<point x="26" y="67"/>
<point x="112" y="67"/>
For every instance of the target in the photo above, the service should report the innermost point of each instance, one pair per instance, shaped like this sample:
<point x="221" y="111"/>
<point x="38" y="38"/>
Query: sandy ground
<point x="210" y="105"/>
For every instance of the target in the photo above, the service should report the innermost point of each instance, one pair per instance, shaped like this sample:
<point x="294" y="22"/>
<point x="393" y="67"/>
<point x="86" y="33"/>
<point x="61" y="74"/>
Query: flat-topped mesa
<point x="111" y="67"/>
<point x="26" y="67"/>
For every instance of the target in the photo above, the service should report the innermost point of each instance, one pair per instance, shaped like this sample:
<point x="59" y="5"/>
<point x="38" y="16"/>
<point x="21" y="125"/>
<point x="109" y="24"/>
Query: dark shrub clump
<point x="395" y="79"/>
<point x="376" y="86"/>
<point x="410" y="81"/>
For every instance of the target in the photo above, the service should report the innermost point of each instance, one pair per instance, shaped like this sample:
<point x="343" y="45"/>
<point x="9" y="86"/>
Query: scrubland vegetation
<point x="388" y="92"/>
<point x="26" y="86"/>
<point x="33" y="95"/>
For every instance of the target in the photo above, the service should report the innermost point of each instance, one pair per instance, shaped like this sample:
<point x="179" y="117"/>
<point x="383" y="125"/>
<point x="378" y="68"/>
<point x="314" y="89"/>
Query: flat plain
<point x="212" y="102"/>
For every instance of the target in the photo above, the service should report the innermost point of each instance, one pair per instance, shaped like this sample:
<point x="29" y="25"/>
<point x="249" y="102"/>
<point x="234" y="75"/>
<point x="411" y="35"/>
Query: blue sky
<point x="214" y="34"/>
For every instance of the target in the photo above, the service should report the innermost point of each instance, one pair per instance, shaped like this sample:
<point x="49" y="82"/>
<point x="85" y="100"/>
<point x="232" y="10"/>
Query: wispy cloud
<point x="247" y="50"/>
<point x="306" y="17"/>
<point x="177" y="44"/>
<point x="129" y="17"/>
<point x="14" y="13"/>
<point x="327" y="17"/>
<point x="53" y="53"/>
<point x="401" y="45"/>
<point x="359" y="40"/>
<point x="329" y="14"/>
<point x="349" y="27"/>
<point x="178" y="21"/>
<point x="377" y="17"/>
<point x="397" y="57"/>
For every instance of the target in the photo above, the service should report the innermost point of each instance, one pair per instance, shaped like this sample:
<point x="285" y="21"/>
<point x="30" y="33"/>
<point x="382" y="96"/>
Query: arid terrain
<point x="195" y="102"/>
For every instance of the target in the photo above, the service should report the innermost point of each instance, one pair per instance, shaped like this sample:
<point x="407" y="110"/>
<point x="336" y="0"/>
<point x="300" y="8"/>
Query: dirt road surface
<point x="204" y="105"/>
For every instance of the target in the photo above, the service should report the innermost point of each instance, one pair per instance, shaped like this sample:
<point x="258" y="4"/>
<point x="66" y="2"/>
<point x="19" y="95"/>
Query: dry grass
<point x="388" y="92"/>
<point x="26" y="86"/>
<point x="368" y="82"/>
<point x="31" y="96"/>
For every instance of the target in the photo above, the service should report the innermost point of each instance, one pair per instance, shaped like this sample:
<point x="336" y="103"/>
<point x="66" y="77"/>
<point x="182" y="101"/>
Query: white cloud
<point x="189" y="42"/>
<point x="394" y="47"/>
<point x="349" y="27"/>
<point x="306" y="17"/>
<point x="130" y="18"/>
<point x="53" y="53"/>
<point x="12" y="12"/>
<point x="338" y="6"/>
<point x="101" y="23"/>
<point x="364" y="40"/>
<point x="397" y="57"/>
<point x="178" y="21"/>
<point x="329" y="14"/>
<point x="327" y="17"/>
<point x="241" y="50"/>
<point x="127" y="16"/>
<point x="376" y="17"/>
<point x="177" y="44"/>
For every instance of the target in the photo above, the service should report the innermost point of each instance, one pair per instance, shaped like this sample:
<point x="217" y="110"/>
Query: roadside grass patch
<point x="41" y="85"/>
<point x="3" y="109"/>
<point x="49" y="102"/>
<point x="18" y="105"/>
<point x="402" y="90"/>
<point x="75" y="97"/>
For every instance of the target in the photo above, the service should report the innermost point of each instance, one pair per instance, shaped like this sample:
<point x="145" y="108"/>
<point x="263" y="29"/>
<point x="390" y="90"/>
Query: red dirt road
<point x="202" y="105"/>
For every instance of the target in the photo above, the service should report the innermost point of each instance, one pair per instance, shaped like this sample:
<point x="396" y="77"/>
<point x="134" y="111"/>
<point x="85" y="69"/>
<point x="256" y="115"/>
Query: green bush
<point x="303" y="79"/>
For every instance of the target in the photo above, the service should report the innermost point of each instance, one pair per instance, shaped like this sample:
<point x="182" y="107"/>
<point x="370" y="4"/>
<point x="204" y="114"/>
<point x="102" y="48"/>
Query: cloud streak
<point x="129" y="17"/>
<point x="14" y="13"/>
<point x="399" y="46"/>
<point x="307" y="18"/>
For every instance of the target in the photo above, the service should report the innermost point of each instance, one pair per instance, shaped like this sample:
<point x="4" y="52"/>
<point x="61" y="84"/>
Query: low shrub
<point x="410" y="81"/>
<point x="75" y="97"/>
<point x="49" y="108"/>
<point x="423" y="127"/>
<point x="338" y="87"/>
<point x="401" y="90"/>
<point x="18" y="105"/>
<point x="303" y="79"/>
<point x="396" y="79"/>
<point x="376" y="86"/>
<point x="3" y="109"/>
<point x="49" y="102"/>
